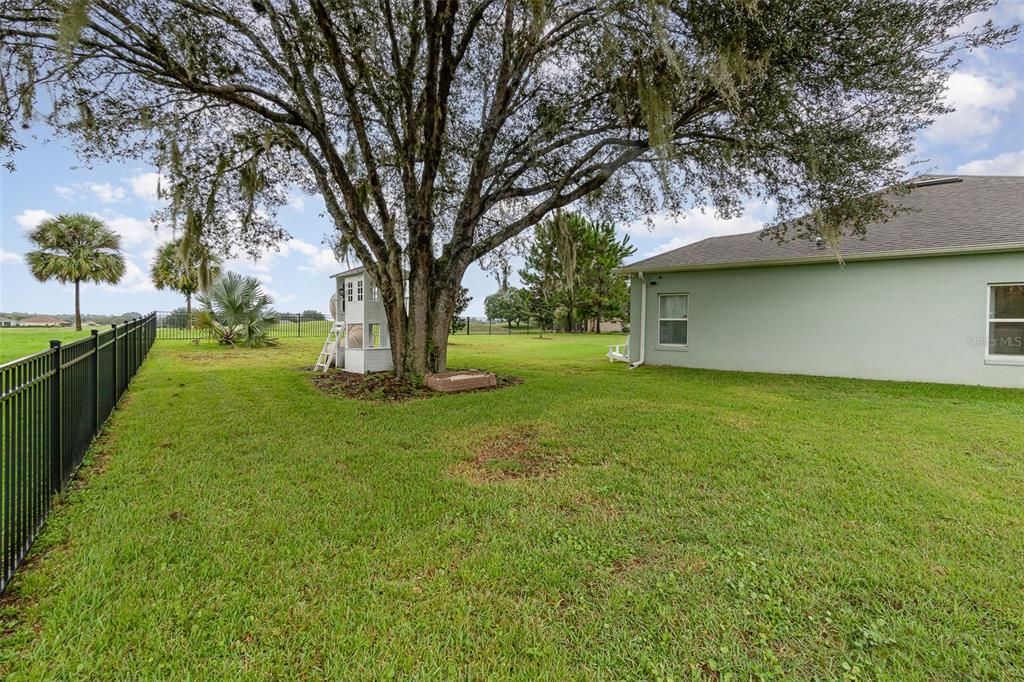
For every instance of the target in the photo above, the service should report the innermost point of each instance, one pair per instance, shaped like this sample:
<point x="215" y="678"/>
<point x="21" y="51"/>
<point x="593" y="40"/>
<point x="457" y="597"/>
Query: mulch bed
<point x="384" y="387"/>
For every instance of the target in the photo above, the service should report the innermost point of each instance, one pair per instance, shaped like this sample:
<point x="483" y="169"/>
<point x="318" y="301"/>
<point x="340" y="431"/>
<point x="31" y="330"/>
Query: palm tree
<point x="186" y="268"/>
<point x="75" y="247"/>
<point x="237" y="310"/>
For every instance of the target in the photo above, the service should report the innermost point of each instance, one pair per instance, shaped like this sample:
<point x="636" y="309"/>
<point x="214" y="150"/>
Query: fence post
<point x="467" y="325"/>
<point x="300" y="325"/>
<point x="96" y="379"/>
<point x="113" y="362"/>
<point x="56" y="423"/>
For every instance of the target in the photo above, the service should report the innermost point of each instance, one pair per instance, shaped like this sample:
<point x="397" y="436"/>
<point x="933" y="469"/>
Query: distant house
<point x="43" y="321"/>
<point x="934" y="294"/>
<point x="8" y="322"/>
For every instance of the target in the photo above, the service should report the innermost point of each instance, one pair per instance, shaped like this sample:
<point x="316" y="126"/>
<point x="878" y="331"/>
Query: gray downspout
<point x="643" y="321"/>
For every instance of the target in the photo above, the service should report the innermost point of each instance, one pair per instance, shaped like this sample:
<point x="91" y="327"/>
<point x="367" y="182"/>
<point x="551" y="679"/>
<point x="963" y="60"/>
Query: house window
<point x="672" y="318"/>
<point x="373" y="336"/>
<point x="375" y="293"/>
<point x="354" y="336"/>
<point x="359" y="290"/>
<point x="1006" y="320"/>
<point x="348" y="290"/>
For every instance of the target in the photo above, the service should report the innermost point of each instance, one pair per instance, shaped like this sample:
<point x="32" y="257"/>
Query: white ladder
<point x="328" y="355"/>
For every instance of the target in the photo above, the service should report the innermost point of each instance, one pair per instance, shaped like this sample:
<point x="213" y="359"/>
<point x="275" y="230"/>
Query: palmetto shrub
<point x="237" y="311"/>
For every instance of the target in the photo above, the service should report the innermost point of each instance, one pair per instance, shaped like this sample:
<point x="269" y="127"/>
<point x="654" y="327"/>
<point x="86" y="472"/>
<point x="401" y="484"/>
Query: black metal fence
<point x="481" y="325"/>
<point x="175" y="325"/>
<point x="52" y="404"/>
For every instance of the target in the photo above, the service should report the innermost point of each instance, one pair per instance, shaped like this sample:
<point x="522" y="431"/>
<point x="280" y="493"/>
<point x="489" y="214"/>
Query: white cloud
<point x="1009" y="163"/>
<point x="693" y="225"/>
<point x="278" y="297"/>
<point x="65" y="192"/>
<point x="107" y="193"/>
<point x="135" y="231"/>
<point x="296" y="201"/>
<point x="321" y="260"/>
<point x="259" y="265"/>
<point x="135" y="280"/>
<point x="30" y="218"/>
<point x="979" y="100"/>
<point x="144" y="185"/>
<point x="8" y="257"/>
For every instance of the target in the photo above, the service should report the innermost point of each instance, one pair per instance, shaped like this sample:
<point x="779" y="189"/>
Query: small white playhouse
<point x="359" y="341"/>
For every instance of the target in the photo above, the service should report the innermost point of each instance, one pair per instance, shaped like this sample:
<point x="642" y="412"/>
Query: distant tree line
<point x="98" y="319"/>
<point x="569" y="279"/>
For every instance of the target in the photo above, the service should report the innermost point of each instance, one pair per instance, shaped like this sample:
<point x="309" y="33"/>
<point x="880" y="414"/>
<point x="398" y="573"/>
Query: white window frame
<point x="999" y="359"/>
<point x="348" y="291"/>
<point x="375" y="293"/>
<point x="348" y="335"/>
<point x="674" y="346"/>
<point x="359" y="290"/>
<point x="368" y="335"/>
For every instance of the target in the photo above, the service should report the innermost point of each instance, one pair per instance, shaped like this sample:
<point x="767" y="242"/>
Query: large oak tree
<point x="437" y="130"/>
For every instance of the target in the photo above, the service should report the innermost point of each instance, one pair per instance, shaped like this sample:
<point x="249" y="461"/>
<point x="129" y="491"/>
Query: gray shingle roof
<point x="352" y="271"/>
<point x="976" y="213"/>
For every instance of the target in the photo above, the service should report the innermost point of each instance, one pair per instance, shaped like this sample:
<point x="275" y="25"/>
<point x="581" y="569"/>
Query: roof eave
<point x="829" y="258"/>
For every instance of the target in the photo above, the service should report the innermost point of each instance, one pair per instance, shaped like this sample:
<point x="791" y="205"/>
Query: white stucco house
<point x="362" y="343"/>
<point x="934" y="294"/>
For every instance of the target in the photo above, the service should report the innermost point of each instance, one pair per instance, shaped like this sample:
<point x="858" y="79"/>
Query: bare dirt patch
<point x="510" y="455"/>
<point x="385" y="387"/>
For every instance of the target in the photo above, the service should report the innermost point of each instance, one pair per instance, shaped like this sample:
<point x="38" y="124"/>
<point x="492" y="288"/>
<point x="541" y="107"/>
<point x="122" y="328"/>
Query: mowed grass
<point x="236" y="523"/>
<point x="17" y="342"/>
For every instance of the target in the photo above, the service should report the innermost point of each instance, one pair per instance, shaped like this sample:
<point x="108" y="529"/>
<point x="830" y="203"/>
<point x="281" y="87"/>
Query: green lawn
<point x="16" y="342"/>
<point x="657" y="523"/>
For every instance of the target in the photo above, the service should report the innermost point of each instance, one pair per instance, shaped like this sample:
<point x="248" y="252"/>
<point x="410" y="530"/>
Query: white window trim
<point x="998" y="359"/>
<point x="674" y="346"/>
<point x="359" y="290"/>
<point x="348" y="291"/>
<point x="367" y="337"/>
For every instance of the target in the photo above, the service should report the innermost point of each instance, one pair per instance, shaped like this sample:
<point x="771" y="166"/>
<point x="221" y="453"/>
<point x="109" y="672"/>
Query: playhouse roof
<point x="346" y="273"/>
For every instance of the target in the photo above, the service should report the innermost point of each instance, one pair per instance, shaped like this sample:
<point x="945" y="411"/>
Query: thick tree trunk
<point x="419" y="335"/>
<point x="597" y="324"/>
<point x="78" y="306"/>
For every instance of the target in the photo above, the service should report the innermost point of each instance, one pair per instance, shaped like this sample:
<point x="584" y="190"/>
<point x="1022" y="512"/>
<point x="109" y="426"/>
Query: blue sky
<point x="984" y="136"/>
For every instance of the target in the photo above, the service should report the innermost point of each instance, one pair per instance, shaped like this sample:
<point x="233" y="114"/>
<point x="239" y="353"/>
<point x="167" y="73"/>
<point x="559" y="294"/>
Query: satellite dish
<point x="334" y="306"/>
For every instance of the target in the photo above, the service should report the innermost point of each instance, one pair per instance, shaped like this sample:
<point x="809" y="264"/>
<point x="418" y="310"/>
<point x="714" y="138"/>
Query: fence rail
<point x="52" y="405"/>
<point x="481" y="325"/>
<point x="175" y="325"/>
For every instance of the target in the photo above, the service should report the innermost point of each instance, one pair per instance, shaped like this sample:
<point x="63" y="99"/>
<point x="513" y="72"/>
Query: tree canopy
<point x="570" y="272"/>
<point x="185" y="267"/>
<point x="75" y="248"/>
<point x="437" y="130"/>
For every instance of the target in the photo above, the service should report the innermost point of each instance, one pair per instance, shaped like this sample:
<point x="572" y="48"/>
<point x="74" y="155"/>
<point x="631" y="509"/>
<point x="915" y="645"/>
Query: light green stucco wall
<point x="920" y="319"/>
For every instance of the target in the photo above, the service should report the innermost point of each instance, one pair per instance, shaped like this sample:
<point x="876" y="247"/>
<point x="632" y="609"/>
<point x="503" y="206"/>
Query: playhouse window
<point x="354" y="335"/>
<point x="373" y="339"/>
<point x="348" y="291"/>
<point x="375" y="293"/>
<point x="359" y="290"/>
